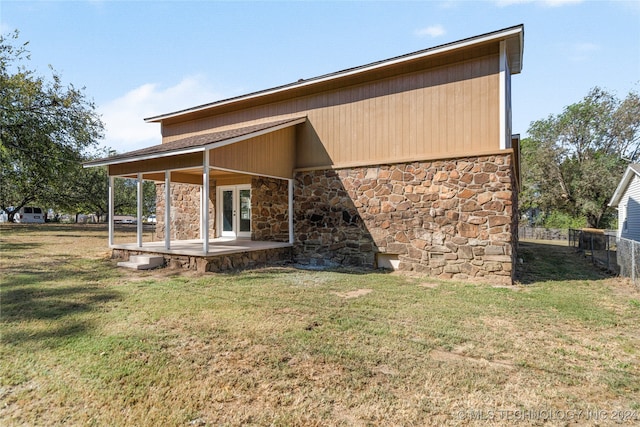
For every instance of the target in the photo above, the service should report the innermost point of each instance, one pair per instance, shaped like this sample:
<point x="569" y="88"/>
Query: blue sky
<point x="137" y="59"/>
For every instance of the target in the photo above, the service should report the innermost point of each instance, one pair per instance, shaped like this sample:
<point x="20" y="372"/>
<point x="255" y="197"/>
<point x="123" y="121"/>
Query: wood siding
<point x="629" y="211"/>
<point x="450" y="110"/>
<point x="272" y="154"/>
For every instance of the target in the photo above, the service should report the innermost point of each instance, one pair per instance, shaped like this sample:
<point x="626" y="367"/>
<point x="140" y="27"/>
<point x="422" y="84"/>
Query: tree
<point x="88" y="193"/>
<point x="46" y="129"/>
<point x="572" y="162"/>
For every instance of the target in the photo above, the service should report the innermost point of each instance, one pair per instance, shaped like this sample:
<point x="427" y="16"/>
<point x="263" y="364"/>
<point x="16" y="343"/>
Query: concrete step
<point x="142" y="262"/>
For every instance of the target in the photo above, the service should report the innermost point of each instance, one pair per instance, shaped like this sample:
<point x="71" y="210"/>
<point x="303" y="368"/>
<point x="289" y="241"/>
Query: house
<point x="627" y="199"/>
<point x="406" y="163"/>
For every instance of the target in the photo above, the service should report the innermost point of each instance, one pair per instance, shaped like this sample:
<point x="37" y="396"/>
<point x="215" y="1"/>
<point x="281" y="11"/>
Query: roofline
<point x="624" y="182"/>
<point x="201" y="148"/>
<point x="517" y="30"/>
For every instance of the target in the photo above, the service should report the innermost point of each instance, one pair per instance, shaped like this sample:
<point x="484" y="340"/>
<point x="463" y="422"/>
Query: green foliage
<point x="46" y="129"/>
<point x="88" y="193"/>
<point x="562" y="220"/>
<point x="126" y="197"/>
<point x="572" y="162"/>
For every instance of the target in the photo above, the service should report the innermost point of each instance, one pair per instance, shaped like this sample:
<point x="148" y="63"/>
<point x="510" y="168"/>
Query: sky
<point x="138" y="59"/>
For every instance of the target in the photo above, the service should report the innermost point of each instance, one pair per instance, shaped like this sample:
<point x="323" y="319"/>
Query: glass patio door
<point x="234" y="207"/>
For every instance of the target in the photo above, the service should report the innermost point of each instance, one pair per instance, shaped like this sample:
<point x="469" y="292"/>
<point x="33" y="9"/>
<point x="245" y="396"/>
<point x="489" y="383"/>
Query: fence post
<point x="593" y="260"/>
<point x="607" y="249"/>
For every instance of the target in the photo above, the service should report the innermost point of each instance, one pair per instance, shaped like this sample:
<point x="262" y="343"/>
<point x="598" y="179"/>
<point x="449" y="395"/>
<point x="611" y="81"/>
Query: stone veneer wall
<point x="269" y="209"/>
<point x="450" y="218"/>
<point x="185" y="211"/>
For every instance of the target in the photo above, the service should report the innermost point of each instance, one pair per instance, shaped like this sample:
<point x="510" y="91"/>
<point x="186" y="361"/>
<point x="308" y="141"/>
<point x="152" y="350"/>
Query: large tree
<point x="573" y="161"/>
<point x="46" y="129"/>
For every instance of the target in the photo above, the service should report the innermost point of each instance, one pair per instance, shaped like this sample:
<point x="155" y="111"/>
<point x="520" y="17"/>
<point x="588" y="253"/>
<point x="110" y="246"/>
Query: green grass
<point x="86" y="343"/>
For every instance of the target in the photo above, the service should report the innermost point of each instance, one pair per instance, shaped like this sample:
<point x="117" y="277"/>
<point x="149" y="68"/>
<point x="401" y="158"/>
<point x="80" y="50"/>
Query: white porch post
<point x="503" y="95"/>
<point x="111" y="210"/>
<point x="204" y="204"/>
<point x="139" y="210"/>
<point x="291" y="239"/>
<point x="201" y="218"/>
<point x="167" y="209"/>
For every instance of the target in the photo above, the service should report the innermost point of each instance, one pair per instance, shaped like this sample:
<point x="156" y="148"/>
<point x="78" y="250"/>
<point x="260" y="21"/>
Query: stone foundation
<point x="449" y="219"/>
<point x="218" y="263"/>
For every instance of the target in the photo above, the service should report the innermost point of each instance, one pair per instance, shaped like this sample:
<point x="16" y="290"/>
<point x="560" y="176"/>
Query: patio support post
<point x="290" y="211"/>
<point x="167" y="209"/>
<point x="503" y="95"/>
<point x="204" y="204"/>
<point x="111" y="190"/>
<point x="201" y="218"/>
<point x="139" y="210"/>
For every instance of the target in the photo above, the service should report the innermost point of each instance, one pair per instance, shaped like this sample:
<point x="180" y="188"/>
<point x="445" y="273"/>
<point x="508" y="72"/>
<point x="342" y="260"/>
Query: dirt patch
<point x="429" y="285"/>
<point x="448" y="356"/>
<point x="514" y="288"/>
<point x="353" y="294"/>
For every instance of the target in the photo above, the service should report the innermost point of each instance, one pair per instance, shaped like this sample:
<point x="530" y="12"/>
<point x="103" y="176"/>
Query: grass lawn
<point x="86" y="343"/>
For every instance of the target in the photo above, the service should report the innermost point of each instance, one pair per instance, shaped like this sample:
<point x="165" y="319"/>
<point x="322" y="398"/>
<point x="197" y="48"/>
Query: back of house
<point x="408" y="163"/>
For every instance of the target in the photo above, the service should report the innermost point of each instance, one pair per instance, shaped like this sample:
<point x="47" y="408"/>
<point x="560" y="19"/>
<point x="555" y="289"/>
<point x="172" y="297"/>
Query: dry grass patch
<point x="86" y="343"/>
<point x="353" y="294"/>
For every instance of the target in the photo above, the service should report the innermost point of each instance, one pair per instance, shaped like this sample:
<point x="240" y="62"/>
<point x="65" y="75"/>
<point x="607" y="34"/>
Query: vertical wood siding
<point x="440" y="112"/>
<point x="272" y="154"/>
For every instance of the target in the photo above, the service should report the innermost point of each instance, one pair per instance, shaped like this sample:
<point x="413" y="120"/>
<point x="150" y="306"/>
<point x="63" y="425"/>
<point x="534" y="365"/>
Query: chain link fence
<point x="540" y="233"/>
<point x="599" y="245"/>
<point x="629" y="259"/>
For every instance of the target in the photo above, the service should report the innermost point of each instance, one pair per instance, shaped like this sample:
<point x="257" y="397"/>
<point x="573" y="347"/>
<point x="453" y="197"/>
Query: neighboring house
<point x="627" y="199"/>
<point x="407" y="163"/>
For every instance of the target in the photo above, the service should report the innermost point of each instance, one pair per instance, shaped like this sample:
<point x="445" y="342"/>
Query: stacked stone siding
<point x="328" y="223"/>
<point x="185" y="211"/>
<point x="450" y="218"/>
<point x="270" y="209"/>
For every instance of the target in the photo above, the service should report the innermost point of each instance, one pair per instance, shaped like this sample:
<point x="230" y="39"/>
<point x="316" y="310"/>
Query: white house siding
<point x="629" y="211"/>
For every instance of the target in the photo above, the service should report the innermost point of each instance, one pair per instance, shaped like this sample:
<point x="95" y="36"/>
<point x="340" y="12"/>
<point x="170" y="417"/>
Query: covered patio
<point x="241" y="176"/>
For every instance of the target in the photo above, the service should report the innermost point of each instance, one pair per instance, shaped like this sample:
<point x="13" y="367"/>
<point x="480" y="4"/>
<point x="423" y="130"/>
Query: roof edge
<point x="624" y="182"/>
<point x="200" y="148"/>
<point x="517" y="30"/>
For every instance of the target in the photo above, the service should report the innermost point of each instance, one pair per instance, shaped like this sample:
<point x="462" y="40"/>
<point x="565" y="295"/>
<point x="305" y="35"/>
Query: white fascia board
<point x="622" y="186"/>
<point x="107" y="162"/>
<point x="437" y="50"/>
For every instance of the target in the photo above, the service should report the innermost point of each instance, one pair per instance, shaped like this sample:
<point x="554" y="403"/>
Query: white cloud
<point x="431" y="31"/>
<point x="125" y="129"/>
<point x="546" y="3"/>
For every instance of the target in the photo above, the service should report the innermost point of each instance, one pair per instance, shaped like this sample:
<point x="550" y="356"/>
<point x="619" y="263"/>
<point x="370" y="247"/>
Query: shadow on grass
<point x="13" y="250"/>
<point x="54" y="302"/>
<point x="549" y="262"/>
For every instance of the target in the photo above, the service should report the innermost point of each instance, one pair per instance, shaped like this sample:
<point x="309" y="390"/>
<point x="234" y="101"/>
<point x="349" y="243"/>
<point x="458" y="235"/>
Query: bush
<point x="562" y="220"/>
